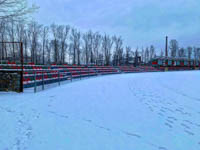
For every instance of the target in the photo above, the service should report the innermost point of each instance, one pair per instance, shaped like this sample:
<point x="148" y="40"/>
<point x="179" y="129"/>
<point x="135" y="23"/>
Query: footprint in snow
<point x="132" y="134"/>
<point x="162" y="148"/>
<point x="169" y="121"/>
<point x="185" y="126"/>
<point x="189" y="132"/>
<point x="51" y="112"/>
<point x="188" y="114"/>
<point x="168" y="109"/>
<point x="28" y="135"/>
<point x="63" y="116"/>
<point x="20" y="122"/>
<point x="168" y="125"/>
<point x="198" y="125"/>
<point x="160" y="114"/>
<point x="87" y="120"/>
<point x="155" y="106"/>
<point x="178" y="110"/>
<point x="161" y="110"/>
<point x="172" y="118"/>
<point x="104" y="128"/>
<point x="150" y="108"/>
<point x="188" y="121"/>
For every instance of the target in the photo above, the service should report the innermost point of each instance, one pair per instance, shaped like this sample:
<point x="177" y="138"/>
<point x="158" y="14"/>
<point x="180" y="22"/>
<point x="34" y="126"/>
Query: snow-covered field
<point x="146" y="111"/>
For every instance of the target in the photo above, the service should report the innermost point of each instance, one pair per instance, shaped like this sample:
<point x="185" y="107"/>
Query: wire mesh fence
<point x="11" y="53"/>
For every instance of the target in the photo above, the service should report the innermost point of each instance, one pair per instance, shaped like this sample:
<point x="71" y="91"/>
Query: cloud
<point x="140" y="22"/>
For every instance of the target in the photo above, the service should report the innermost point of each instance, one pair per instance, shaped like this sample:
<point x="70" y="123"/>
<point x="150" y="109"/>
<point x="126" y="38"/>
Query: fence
<point x="41" y="75"/>
<point x="35" y="75"/>
<point x="44" y="77"/>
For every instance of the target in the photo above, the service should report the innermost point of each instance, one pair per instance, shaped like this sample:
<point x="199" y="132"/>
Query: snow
<point x="144" y="111"/>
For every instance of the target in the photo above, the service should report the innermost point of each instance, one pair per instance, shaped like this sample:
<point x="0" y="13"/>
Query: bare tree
<point x="147" y="55"/>
<point x="174" y="47"/>
<point x="12" y="36"/>
<point x="87" y="39"/>
<point x="55" y="41"/>
<point x="96" y="46"/>
<point x="196" y="54"/>
<point x="78" y="38"/>
<point x="15" y="9"/>
<point x="63" y="39"/>
<point x="34" y="30"/>
<point x="128" y="51"/>
<point x="45" y="33"/>
<point x="143" y="55"/>
<point x="152" y="52"/>
<point x="189" y="50"/>
<point x="3" y="38"/>
<point x="136" y="57"/>
<point x="25" y="43"/>
<point x="181" y="52"/>
<point x="48" y="49"/>
<point x="75" y="41"/>
<point x="118" y="52"/>
<point x="106" y="48"/>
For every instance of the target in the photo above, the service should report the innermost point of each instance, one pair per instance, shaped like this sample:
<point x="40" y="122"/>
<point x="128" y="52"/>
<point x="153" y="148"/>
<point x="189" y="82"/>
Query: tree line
<point x="61" y="44"/>
<point x="189" y="52"/>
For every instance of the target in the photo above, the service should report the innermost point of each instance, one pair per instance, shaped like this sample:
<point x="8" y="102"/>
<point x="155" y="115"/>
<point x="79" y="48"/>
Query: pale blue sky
<point x="139" y="22"/>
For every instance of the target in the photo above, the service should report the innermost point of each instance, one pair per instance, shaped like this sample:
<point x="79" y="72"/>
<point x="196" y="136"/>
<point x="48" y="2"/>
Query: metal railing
<point x="58" y="76"/>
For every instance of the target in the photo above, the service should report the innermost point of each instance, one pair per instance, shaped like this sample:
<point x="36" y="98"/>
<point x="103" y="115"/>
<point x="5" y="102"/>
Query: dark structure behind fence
<point x="10" y="80"/>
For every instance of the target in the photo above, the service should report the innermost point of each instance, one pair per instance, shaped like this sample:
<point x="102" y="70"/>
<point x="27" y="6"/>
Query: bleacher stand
<point x="46" y="74"/>
<point x="132" y="69"/>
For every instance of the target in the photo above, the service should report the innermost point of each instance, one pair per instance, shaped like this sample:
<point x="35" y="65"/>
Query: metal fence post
<point x="42" y="80"/>
<point x="22" y="67"/>
<point x="96" y="72"/>
<point x="35" y="83"/>
<point x="71" y="76"/>
<point x="88" y="72"/>
<point x="58" y="77"/>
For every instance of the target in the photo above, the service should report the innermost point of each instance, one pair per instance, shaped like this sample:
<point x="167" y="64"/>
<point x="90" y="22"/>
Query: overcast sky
<point x="139" y="22"/>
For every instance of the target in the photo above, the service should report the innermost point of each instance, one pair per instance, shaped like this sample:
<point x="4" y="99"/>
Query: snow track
<point x="153" y="111"/>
